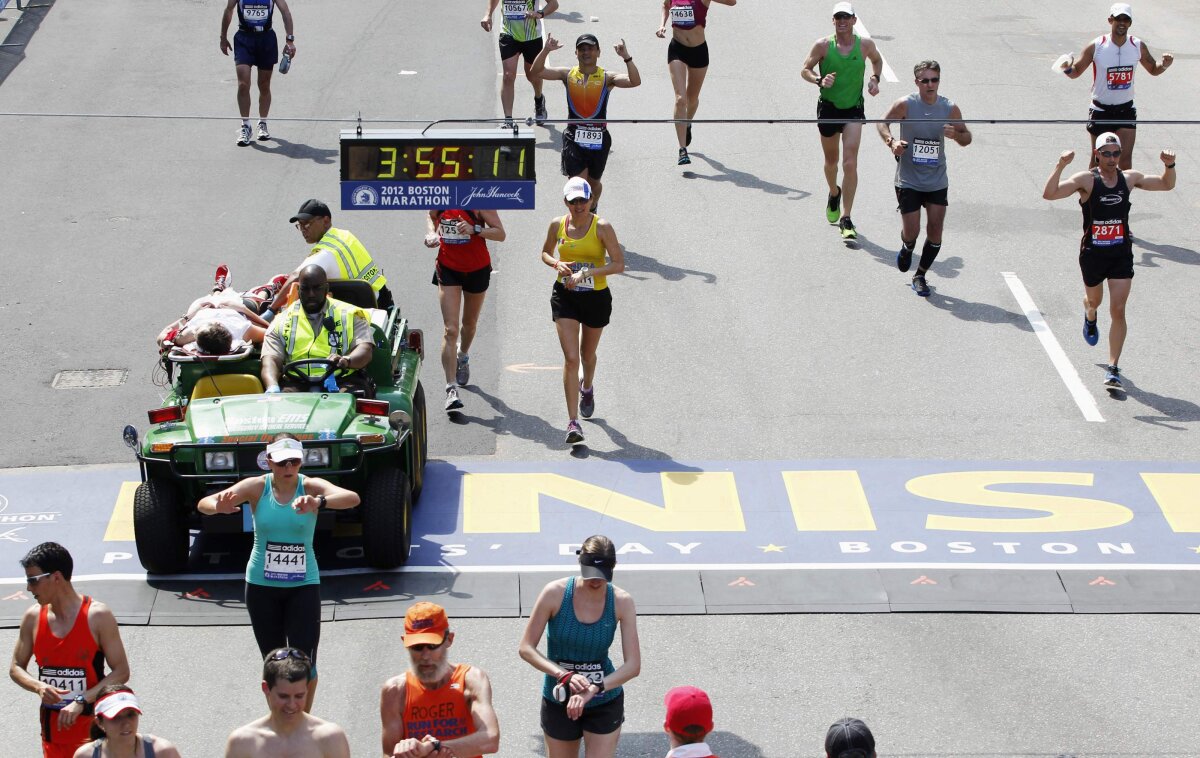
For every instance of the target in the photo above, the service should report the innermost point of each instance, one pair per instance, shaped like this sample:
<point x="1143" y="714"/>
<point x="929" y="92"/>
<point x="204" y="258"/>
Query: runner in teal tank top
<point x="836" y="65"/>
<point x="582" y="694"/>
<point x="283" y="585"/>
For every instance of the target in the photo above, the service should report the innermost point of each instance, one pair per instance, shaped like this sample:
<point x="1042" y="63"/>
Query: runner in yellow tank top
<point x="582" y="249"/>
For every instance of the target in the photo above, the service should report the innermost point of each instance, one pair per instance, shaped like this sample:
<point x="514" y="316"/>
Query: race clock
<point x="411" y="169"/>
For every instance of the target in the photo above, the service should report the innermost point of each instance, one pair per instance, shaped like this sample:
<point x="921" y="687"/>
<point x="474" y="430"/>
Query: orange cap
<point x="425" y="624"/>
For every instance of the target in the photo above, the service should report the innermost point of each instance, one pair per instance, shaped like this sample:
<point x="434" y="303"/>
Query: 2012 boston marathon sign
<point x="413" y="169"/>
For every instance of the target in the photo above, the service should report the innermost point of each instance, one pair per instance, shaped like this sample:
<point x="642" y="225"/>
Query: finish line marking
<point x="1070" y="377"/>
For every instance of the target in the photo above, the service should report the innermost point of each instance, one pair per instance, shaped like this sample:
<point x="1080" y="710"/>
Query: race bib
<point x="683" y="16"/>
<point x="1108" y="234"/>
<point x="70" y="678"/>
<point x="589" y="138"/>
<point x="926" y="152"/>
<point x="1120" y="77"/>
<point x="256" y="13"/>
<point x="285" y="562"/>
<point x="514" y="10"/>
<point x="586" y="283"/>
<point x="448" y="231"/>
<point x="594" y="671"/>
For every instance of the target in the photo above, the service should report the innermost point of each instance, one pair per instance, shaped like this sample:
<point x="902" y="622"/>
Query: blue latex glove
<point x="331" y="384"/>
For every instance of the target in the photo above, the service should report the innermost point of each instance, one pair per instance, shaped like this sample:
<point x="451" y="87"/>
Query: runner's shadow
<point x="1166" y="252"/>
<point x="1172" y="410"/>
<point x="743" y="179"/>
<point x="554" y="138"/>
<point x="943" y="268"/>
<point x="514" y="423"/>
<point x="297" y="150"/>
<point x="636" y="262"/>
<point x="574" y="17"/>
<point x="627" y="452"/>
<point x="980" y="312"/>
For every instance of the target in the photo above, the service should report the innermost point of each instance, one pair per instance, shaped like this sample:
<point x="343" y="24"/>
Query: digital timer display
<point x="414" y="162"/>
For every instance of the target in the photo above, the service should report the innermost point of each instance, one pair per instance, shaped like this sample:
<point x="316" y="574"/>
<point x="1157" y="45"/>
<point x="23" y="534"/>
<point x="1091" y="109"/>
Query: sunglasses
<point x="841" y="16"/>
<point x="426" y="647"/>
<point x="288" y="462"/>
<point x="304" y="224"/>
<point x="288" y="652"/>
<point x="1110" y="153"/>
<point x="930" y="80"/>
<point x="32" y="580"/>
<point x="577" y="200"/>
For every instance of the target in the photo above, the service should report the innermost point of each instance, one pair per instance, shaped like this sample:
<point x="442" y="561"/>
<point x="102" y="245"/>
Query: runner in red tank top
<point x="71" y="636"/>
<point x="436" y="708"/>
<point x="462" y="275"/>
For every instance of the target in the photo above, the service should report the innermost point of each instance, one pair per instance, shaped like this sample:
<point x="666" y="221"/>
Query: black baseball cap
<point x="849" y="738"/>
<point x="311" y="208"/>
<point x="587" y="39"/>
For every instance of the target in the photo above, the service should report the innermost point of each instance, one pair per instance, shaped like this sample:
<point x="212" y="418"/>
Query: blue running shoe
<point x="1112" y="378"/>
<point x="1091" y="332"/>
<point x="919" y="286"/>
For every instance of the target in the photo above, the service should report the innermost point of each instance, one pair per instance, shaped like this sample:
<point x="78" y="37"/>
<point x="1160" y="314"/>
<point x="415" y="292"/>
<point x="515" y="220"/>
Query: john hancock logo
<point x="364" y="195"/>
<point x="492" y="192"/>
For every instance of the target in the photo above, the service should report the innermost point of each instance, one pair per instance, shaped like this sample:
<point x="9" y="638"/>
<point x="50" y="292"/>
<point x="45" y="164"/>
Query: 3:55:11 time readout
<point x="439" y="162"/>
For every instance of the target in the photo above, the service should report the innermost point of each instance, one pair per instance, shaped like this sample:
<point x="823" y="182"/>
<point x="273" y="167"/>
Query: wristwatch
<point x="79" y="699"/>
<point x="437" y="744"/>
<point x="291" y="38"/>
<point x="321" y="500"/>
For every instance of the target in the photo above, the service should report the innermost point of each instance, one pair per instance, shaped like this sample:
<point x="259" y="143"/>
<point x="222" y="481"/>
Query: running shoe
<point x="222" y="279"/>
<point x="587" y="401"/>
<point x="833" y="209"/>
<point x="687" y="140"/>
<point x="574" y="433"/>
<point x="683" y="157"/>
<point x="847" y="227"/>
<point x="462" y="371"/>
<point x="904" y="259"/>
<point x="539" y="110"/>
<point x="277" y="283"/>
<point x="508" y="124"/>
<point x="1112" y="378"/>
<point x="243" y="135"/>
<point x="452" y="401"/>
<point x="263" y="134"/>
<point x="1091" y="332"/>
<point x="919" y="286"/>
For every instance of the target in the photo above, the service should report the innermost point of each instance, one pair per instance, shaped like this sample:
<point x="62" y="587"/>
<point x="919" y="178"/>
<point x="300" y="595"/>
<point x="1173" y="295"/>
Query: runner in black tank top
<point x="1106" y="250"/>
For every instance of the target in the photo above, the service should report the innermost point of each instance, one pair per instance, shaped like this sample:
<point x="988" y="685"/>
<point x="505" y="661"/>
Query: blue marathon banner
<point x="433" y="195"/>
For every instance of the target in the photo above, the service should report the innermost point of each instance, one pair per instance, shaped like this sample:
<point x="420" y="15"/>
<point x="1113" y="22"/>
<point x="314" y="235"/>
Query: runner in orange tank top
<point x="436" y="708"/>
<point x="71" y="636"/>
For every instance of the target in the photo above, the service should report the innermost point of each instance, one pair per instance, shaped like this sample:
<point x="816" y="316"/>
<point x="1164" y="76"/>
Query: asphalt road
<point x="743" y="329"/>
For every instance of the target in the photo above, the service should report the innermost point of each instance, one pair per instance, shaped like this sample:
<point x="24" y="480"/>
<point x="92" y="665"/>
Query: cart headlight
<point x="219" y="461"/>
<point x="316" y="456"/>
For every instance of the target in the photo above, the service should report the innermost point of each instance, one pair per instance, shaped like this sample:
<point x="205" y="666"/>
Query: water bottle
<point x="285" y="63"/>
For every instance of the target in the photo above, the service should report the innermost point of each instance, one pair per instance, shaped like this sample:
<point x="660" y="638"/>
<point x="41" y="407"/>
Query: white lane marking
<point x="888" y="73"/>
<point x="1070" y="377"/>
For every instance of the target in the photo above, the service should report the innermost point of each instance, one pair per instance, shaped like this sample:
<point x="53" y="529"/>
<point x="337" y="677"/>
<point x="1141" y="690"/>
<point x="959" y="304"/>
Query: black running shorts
<point x="592" y="308"/>
<point x="510" y="47"/>
<point x="1124" y="113"/>
<point x="1097" y="265"/>
<point x="603" y="719"/>
<point x="576" y="159"/>
<point x="693" y="57"/>
<point x="473" y="282"/>
<point x="910" y="200"/>
<point x="826" y="109"/>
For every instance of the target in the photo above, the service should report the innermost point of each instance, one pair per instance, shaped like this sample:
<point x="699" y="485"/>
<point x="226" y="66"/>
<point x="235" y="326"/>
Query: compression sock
<point x="929" y="253"/>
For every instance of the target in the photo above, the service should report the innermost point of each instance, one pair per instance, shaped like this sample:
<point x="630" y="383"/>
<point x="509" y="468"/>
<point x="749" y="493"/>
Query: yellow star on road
<point x="773" y="548"/>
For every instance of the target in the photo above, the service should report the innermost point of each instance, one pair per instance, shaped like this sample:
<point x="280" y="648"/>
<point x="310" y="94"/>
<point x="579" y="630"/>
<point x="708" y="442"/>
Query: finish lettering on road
<point x="827" y="501"/>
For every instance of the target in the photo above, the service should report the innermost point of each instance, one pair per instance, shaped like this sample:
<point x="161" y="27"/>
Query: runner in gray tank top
<point x="921" y="180"/>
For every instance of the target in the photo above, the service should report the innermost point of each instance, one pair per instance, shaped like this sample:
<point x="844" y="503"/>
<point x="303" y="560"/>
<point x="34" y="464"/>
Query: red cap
<point x="687" y="709"/>
<point x="425" y="624"/>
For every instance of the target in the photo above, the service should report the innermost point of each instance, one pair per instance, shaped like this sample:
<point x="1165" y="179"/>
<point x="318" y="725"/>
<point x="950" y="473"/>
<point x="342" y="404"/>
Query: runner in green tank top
<point x="521" y="34"/>
<point x="836" y="65"/>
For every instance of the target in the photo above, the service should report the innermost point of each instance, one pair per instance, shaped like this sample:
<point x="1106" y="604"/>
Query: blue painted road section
<point x="484" y="516"/>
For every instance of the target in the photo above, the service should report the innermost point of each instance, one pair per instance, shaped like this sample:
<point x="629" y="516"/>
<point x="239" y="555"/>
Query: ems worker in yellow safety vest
<point x="317" y="326"/>
<point x="337" y="251"/>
